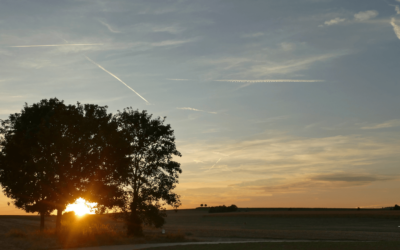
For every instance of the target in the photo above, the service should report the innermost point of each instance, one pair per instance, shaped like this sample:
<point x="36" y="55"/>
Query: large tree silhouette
<point x="52" y="154"/>
<point x="152" y="173"/>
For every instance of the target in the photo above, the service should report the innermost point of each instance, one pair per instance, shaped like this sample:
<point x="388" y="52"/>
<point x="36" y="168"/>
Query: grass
<point x="292" y="246"/>
<point x="88" y="231"/>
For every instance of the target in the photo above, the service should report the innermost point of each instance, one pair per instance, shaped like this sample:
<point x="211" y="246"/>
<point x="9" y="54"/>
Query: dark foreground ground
<point x="292" y="246"/>
<point x="20" y="232"/>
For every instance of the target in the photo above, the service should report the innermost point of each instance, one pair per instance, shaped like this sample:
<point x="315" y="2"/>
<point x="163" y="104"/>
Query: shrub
<point x="223" y="209"/>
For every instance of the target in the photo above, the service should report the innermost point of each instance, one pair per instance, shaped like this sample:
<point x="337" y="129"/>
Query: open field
<point x="292" y="246"/>
<point x="332" y="225"/>
<point x="20" y="232"/>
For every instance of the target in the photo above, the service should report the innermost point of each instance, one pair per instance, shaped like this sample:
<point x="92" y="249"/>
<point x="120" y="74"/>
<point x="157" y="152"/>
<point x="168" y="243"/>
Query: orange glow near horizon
<point x="81" y="207"/>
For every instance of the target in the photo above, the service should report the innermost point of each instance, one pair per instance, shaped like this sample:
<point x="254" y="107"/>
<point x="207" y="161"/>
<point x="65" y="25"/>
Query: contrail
<point x="250" y="82"/>
<point x="270" y="80"/>
<point x="215" y="163"/>
<point x="56" y="45"/>
<point x="116" y="77"/>
<point x="199" y="110"/>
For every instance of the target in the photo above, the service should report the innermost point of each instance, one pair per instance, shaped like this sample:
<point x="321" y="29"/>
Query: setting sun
<point x="80" y="207"/>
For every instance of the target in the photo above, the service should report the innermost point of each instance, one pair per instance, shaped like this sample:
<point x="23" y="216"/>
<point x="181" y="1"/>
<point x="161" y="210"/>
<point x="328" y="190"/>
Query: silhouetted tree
<point x="201" y="205"/>
<point x="205" y="205"/>
<point x="396" y="207"/>
<point x="152" y="173"/>
<point x="52" y="154"/>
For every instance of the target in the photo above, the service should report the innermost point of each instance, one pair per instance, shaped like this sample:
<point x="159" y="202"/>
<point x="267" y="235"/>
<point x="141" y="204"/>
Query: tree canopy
<point x="52" y="154"/>
<point x="152" y="172"/>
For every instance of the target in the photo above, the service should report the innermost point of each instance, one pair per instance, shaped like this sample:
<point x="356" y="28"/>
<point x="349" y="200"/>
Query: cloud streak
<point x="396" y="28"/>
<point x="388" y="124"/>
<point x="198" y="110"/>
<point x="57" y="45"/>
<point x="116" y="77"/>
<point x="109" y="27"/>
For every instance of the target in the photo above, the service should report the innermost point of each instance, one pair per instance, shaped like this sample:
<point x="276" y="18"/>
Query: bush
<point x="396" y="207"/>
<point x="223" y="209"/>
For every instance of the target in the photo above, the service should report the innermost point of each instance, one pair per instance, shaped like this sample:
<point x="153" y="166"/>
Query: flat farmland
<point x="199" y="225"/>
<point x="321" y="225"/>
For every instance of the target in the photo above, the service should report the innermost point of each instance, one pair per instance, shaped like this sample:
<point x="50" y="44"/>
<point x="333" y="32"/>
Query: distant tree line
<point x="223" y="209"/>
<point x="52" y="154"/>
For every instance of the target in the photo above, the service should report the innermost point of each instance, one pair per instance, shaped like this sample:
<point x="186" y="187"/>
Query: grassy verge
<point x="292" y="246"/>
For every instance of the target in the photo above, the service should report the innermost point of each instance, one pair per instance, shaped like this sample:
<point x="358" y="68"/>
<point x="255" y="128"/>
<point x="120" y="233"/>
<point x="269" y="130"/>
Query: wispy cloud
<point x="57" y="45"/>
<point x="199" y="110"/>
<point x="116" y="77"/>
<point x="171" y="42"/>
<point x="177" y="79"/>
<point x="258" y="34"/>
<point x="397" y="9"/>
<point x="334" y="21"/>
<point x="387" y="124"/>
<point x="365" y="15"/>
<point x="396" y="28"/>
<point x="109" y="27"/>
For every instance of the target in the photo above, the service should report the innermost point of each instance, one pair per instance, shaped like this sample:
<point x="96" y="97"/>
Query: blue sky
<point x="273" y="103"/>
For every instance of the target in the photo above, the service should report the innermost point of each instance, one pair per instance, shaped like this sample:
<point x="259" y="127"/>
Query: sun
<point x="81" y="207"/>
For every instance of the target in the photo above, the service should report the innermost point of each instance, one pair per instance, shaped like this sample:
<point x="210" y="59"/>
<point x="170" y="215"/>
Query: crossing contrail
<point x="116" y="77"/>
<point x="56" y="45"/>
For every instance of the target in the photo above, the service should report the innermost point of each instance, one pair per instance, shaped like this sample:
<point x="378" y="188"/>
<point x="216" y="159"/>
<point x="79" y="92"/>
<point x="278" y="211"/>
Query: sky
<point x="289" y="103"/>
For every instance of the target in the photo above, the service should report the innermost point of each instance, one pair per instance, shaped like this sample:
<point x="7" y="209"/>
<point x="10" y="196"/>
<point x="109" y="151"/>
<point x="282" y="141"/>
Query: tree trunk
<point x="134" y="226"/>
<point x="58" y="219"/>
<point x="42" y="214"/>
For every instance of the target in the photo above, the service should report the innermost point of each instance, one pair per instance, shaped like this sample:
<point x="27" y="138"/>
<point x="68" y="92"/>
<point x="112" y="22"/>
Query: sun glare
<point x="80" y="207"/>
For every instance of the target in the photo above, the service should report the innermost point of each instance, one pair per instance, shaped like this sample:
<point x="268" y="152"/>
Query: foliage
<point x="396" y="207"/>
<point x="223" y="209"/>
<point x="68" y="217"/>
<point x="52" y="154"/>
<point x="152" y="173"/>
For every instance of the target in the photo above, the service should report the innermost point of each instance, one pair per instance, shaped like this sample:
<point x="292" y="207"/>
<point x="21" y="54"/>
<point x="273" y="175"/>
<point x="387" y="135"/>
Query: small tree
<point x="152" y="173"/>
<point x="205" y="205"/>
<point x="201" y="205"/>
